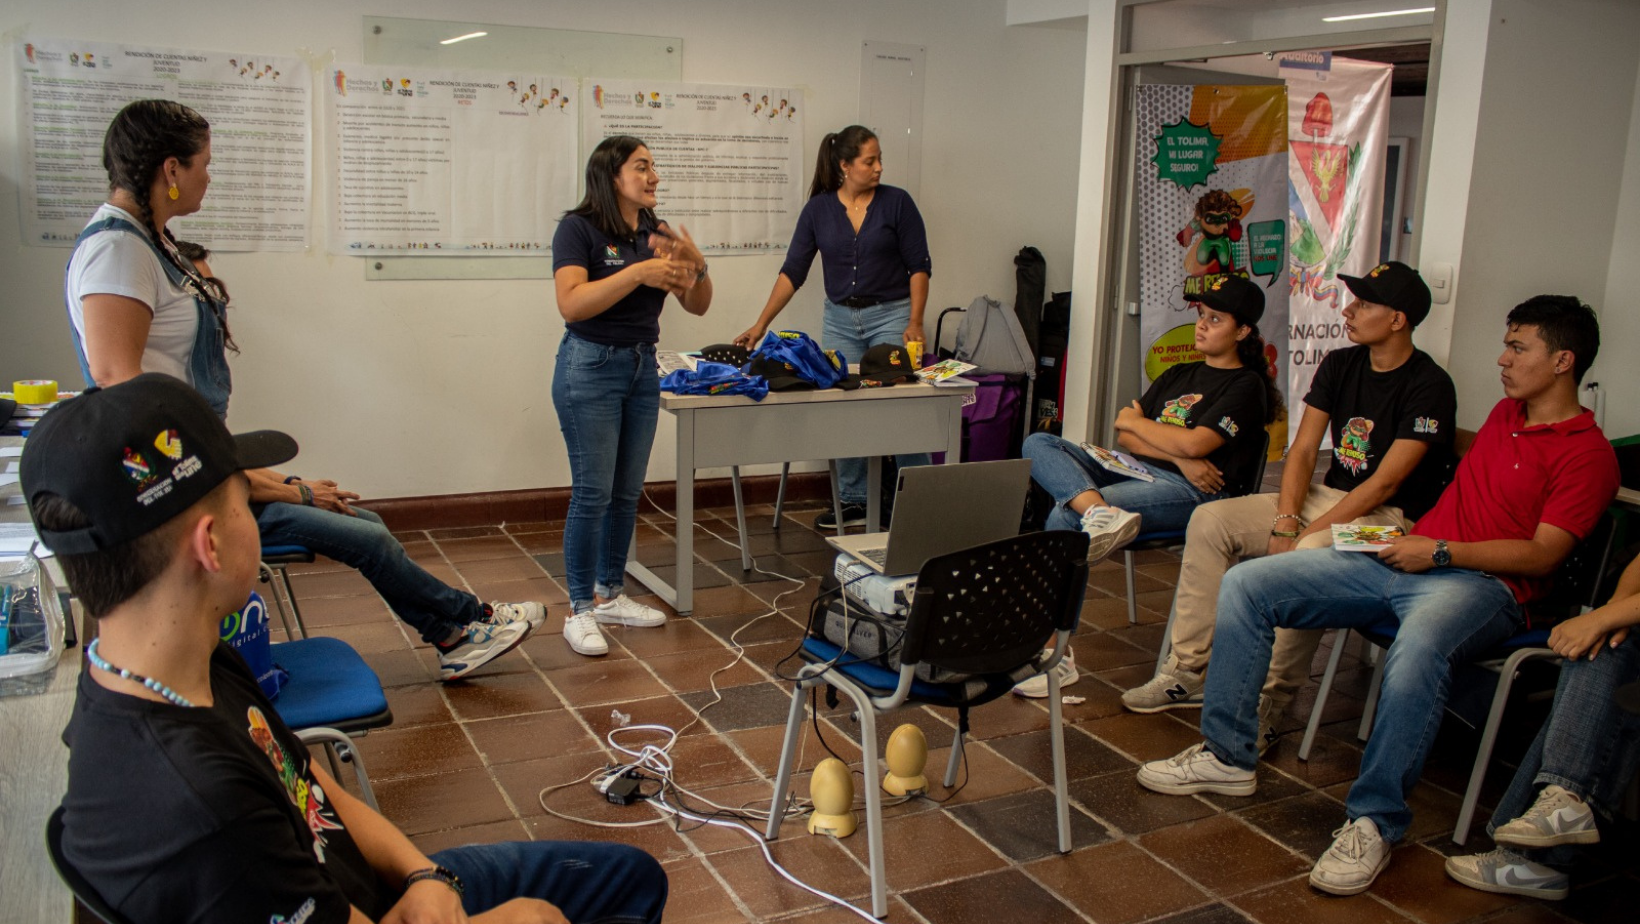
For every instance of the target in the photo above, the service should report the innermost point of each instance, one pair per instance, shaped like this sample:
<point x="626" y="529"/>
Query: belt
<point x="860" y="302"/>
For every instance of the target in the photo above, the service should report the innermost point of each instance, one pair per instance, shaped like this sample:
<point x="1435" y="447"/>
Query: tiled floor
<point x="467" y="762"/>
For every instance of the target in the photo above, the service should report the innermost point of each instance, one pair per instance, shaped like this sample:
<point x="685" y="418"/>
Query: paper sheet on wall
<point x="261" y="112"/>
<point x="430" y="161"/>
<point x="731" y="157"/>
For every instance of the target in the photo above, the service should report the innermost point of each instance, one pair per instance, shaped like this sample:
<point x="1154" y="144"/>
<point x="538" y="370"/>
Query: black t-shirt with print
<point x="206" y="813"/>
<point x="1231" y="401"/>
<point x="1370" y="410"/>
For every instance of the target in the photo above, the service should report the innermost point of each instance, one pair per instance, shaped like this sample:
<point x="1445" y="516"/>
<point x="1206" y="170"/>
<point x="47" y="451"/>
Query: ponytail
<point x="836" y="149"/>
<point x="1250" y="350"/>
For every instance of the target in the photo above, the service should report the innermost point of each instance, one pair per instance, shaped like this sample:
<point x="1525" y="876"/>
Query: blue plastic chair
<point x="276" y="562"/>
<point x="331" y="697"/>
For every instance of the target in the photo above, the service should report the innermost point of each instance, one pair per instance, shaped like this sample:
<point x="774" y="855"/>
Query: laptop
<point x="940" y="509"/>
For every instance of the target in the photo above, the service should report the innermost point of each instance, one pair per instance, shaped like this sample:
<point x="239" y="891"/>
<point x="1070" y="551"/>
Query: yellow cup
<point x="34" y="391"/>
<point x="915" y="348"/>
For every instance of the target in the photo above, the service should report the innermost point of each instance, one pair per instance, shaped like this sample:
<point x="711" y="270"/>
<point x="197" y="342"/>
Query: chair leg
<point x="279" y="603"/>
<point x="836" y="498"/>
<point x="788" y="753"/>
<point x="874" y="809"/>
<point x="338" y="745"/>
<point x="1370" y="710"/>
<point x="1489" y="737"/>
<point x="1339" y="638"/>
<point x="1062" y="805"/>
<point x="955" y="762"/>
<point x="780" y="495"/>
<point x="290" y="596"/>
<point x="740" y="519"/>
<point x="1127" y="567"/>
<point x="1166" y="647"/>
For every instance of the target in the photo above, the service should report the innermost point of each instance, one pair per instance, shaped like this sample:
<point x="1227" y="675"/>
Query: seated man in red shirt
<point x="1536" y="480"/>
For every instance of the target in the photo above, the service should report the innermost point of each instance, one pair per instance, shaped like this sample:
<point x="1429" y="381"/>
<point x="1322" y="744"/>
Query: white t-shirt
<point x="121" y="263"/>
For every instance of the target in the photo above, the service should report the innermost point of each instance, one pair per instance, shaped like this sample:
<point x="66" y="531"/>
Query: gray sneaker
<point x="1503" y="870"/>
<point x="1173" y="687"/>
<point x="1557" y="817"/>
<point x="1357" y="855"/>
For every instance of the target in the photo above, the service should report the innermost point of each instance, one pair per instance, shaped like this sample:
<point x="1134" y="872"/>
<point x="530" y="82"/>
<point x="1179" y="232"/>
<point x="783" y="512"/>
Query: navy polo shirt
<point x="635" y="318"/>
<point x="875" y="264"/>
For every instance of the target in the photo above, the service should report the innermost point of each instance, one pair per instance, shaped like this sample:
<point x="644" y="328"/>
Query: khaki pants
<point x="1225" y="532"/>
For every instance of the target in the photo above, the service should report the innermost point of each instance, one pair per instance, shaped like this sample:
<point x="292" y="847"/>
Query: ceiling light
<point x="1422" y="9"/>
<point x="463" y="38"/>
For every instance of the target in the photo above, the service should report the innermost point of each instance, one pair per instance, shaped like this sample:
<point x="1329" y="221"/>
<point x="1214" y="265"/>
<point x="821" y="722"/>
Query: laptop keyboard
<point x="878" y="555"/>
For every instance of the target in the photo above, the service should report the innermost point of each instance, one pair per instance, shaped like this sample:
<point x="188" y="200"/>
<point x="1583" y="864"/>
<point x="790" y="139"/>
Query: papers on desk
<point x="11" y="452"/>
<point x="670" y="361"/>
<point x="946" y="372"/>
<point x="17" y="538"/>
<point x="9" y="478"/>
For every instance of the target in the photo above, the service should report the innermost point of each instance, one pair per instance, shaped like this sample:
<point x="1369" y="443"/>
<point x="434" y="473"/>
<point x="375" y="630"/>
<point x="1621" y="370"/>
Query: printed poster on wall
<point x="430" y="162"/>
<point x="1338" y="120"/>
<point x="1212" y="189"/>
<point x="261" y="112"/>
<point x="731" y="157"/>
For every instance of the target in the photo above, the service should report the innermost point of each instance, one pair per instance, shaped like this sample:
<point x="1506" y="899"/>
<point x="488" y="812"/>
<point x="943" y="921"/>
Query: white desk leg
<point x="953" y="447"/>
<point x="874" y="494"/>
<point x="685" y="581"/>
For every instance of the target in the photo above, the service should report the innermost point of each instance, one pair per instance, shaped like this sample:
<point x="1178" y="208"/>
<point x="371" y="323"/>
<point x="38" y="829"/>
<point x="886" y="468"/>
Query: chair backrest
<point x="71" y="877"/>
<point x="1580" y="582"/>
<point x="1263" y="460"/>
<point x="990" y="608"/>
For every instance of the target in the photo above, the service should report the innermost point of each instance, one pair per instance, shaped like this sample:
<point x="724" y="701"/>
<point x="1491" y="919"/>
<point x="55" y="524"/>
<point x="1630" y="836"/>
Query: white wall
<point x="1551" y="145"/>
<point x="1616" y="369"/>
<point x="409" y="388"/>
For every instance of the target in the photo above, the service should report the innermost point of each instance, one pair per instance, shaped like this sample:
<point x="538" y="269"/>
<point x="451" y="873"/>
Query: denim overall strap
<point x="208" y="358"/>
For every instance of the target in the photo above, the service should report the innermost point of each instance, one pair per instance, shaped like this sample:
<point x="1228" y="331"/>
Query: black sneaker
<point x="853" y="515"/>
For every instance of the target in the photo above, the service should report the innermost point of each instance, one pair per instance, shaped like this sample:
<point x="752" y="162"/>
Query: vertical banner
<point x="1212" y="189"/>
<point x="731" y="158"/>
<point x="432" y="162"/>
<point x="261" y="112"/>
<point x="1338" y="120"/>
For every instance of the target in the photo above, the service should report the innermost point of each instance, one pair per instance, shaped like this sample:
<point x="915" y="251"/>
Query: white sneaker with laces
<point x="1357" y="855"/>
<point x="530" y="611"/>
<point x="1037" y="687"/>
<point x="624" y="611"/>
<point x="1196" y="769"/>
<point x="1507" y="872"/>
<point x="1557" y="817"/>
<point x="1173" y="687"/>
<point x="480" y="643"/>
<point x="1108" y="529"/>
<point x="581" y="631"/>
<point x="1268" y="712"/>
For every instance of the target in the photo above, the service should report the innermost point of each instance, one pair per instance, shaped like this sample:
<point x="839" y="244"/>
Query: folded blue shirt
<point x="711" y="378"/>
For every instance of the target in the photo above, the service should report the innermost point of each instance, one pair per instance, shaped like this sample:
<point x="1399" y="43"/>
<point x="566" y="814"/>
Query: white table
<point x="794" y="426"/>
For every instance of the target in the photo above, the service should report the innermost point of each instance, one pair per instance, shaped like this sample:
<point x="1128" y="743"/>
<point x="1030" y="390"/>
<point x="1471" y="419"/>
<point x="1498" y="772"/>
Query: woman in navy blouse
<point x="874" y="254"/>
<point x="613" y="264"/>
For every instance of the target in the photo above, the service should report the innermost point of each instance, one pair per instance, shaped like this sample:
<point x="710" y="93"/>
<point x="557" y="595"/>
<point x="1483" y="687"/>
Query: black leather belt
<point x="859" y="302"/>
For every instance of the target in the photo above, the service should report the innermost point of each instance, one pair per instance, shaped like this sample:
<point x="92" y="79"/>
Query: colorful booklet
<point x="944" y="369"/>
<point x="1119" y="462"/>
<point x="1350" y="537"/>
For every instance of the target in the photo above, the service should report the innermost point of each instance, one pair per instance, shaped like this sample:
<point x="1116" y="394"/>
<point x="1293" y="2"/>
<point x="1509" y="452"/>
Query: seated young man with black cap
<point x="1390" y="410"/>
<point x="188" y="798"/>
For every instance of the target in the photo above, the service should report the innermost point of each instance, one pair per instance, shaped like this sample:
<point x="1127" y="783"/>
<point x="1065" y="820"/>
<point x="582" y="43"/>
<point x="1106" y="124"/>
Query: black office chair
<point x="83" y="891"/>
<point x="984" y="612"/>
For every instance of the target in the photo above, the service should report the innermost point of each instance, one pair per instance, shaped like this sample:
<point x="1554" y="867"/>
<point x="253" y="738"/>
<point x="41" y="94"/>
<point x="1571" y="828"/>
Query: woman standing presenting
<point x="613" y="264"/>
<point x="874" y="253"/>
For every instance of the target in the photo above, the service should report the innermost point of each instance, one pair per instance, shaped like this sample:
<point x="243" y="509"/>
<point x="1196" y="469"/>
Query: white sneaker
<point x="1173" y="687"/>
<point x="1357" y="855"/>
<point x="581" y="631"/>
<point x="1507" y="872"/>
<point x="1557" y="817"/>
<point x="1108" y="529"/>
<point x="1037" y="687"/>
<point x="529" y="611"/>
<point x="479" y="643"/>
<point x="1196" y="769"/>
<point x="624" y="611"/>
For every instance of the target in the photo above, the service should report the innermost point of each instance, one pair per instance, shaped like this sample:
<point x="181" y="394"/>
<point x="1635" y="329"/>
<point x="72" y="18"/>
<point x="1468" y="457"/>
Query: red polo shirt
<point x="1515" y="477"/>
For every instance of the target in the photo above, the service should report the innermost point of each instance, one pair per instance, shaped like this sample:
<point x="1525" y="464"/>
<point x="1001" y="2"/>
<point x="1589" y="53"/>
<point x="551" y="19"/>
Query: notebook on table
<point x="939" y="509"/>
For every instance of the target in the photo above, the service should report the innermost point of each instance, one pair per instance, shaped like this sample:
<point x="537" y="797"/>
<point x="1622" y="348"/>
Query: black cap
<point x="781" y="376"/>
<point x="1394" y="284"/>
<point x="729" y="353"/>
<point x="134" y="455"/>
<point x="1239" y="296"/>
<point x="883" y="364"/>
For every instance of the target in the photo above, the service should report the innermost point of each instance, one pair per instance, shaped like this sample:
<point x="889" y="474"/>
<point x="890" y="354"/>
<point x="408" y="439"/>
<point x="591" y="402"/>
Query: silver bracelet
<point x="1288" y="516"/>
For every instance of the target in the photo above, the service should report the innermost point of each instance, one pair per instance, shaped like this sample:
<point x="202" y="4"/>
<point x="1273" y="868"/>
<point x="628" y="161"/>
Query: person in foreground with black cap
<point x="1198" y="429"/>
<point x="188" y="797"/>
<point x="1533" y="484"/>
<point x="1391" y="411"/>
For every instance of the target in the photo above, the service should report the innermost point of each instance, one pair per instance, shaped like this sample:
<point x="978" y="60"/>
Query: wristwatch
<point x="1441" y="556"/>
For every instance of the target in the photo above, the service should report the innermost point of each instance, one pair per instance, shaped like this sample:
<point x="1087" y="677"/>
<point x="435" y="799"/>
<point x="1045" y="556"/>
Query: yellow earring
<point x="174" y="193"/>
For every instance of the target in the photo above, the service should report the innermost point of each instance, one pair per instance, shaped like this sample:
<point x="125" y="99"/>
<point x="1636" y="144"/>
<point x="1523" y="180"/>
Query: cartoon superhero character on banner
<point x="1211" y="237"/>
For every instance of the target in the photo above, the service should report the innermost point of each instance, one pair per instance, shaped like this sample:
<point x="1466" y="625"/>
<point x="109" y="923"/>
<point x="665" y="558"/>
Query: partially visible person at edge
<point x="189" y="799"/>
<point x="1198" y="429"/>
<point x="874" y="253"/>
<point x="138" y="305"/>
<point x="613" y="265"/>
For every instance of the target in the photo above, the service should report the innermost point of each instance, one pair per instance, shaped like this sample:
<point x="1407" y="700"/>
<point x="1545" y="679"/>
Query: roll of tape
<point x="34" y="391"/>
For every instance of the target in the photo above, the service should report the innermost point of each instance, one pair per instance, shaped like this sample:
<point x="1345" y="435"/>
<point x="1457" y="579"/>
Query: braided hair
<point x="142" y="137"/>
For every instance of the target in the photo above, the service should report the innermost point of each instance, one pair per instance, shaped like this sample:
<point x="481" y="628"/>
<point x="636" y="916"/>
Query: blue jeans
<point x="1064" y="470"/>
<point x="589" y="881"/>
<point x="427" y="604"/>
<point x="608" y="399"/>
<point x="1442" y="617"/>
<point x="1588" y="745"/>
<point x="853" y="331"/>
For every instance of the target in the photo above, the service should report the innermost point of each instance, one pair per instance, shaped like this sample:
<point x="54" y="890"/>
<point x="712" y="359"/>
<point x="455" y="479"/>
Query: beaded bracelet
<point x="307" y="494"/>
<point x="441" y="874"/>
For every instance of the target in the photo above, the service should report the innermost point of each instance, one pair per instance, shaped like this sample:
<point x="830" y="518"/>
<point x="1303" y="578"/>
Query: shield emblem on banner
<point x="1327" y="167"/>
